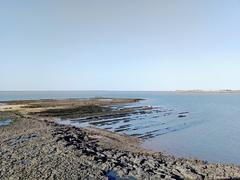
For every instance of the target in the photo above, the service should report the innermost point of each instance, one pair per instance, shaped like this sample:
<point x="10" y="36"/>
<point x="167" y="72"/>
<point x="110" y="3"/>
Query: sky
<point x="147" y="45"/>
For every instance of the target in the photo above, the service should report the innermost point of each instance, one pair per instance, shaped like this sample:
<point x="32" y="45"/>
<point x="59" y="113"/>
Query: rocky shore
<point x="34" y="146"/>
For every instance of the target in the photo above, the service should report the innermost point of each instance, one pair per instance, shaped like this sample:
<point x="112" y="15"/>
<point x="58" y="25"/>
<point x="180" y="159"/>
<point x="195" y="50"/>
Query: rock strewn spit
<point x="36" y="147"/>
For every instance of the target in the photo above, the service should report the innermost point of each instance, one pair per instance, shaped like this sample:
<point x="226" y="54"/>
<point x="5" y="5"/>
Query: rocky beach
<point x="34" y="145"/>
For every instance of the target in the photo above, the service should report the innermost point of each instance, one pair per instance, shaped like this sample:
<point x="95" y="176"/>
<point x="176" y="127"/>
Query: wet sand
<point x="35" y="146"/>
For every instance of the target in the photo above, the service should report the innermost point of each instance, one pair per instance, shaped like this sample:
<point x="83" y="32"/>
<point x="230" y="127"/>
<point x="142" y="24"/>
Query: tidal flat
<point x="40" y="143"/>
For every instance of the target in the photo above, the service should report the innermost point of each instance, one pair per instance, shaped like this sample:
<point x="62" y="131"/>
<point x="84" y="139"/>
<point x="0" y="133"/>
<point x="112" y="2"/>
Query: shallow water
<point x="145" y="121"/>
<point x="5" y="122"/>
<point x="202" y="125"/>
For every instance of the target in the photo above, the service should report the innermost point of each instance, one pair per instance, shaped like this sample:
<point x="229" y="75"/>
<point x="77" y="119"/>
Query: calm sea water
<point x="209" y="129"/>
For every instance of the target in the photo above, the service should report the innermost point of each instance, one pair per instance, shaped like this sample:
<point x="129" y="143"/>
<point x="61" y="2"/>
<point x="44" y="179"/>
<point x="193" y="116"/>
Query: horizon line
<point x="176" y="90"/>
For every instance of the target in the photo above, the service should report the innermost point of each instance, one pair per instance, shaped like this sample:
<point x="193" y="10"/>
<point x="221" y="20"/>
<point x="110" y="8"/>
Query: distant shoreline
<point x="208" y="91"/>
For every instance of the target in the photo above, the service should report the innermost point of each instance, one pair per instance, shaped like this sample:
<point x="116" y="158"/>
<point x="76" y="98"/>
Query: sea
<point x="199" y="125"/>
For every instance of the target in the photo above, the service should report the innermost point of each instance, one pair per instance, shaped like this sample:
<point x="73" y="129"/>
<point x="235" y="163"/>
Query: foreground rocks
<point x="41" y="149"/>
<point x="36" y="147"/>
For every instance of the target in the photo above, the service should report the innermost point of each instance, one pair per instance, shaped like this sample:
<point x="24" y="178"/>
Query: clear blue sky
<point x="119" y="45"/>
